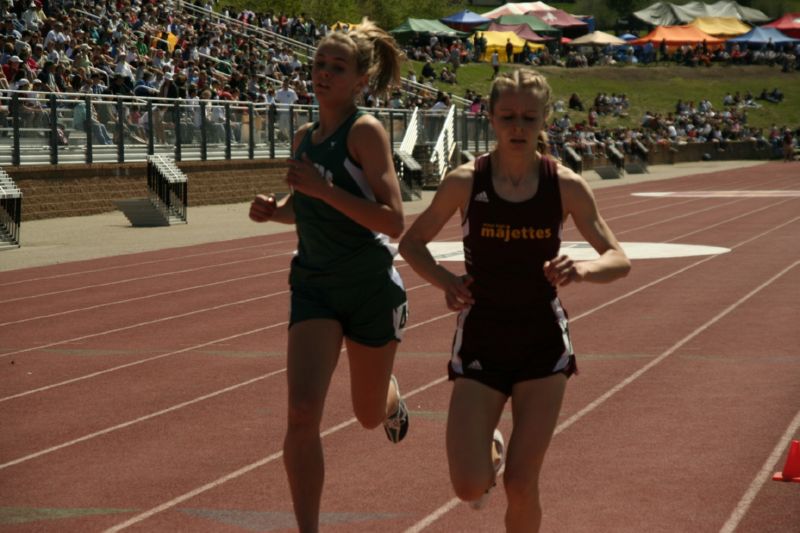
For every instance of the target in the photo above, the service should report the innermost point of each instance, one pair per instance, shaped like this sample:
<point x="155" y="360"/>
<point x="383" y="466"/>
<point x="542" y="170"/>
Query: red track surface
<point x="147" y="391"/>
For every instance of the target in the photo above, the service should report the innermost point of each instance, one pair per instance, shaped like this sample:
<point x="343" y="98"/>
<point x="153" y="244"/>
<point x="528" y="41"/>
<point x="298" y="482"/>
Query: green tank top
<point x="333" y="250"/>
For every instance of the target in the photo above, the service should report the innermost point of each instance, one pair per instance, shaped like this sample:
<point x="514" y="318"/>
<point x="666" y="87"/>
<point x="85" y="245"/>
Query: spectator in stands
<point x="346" y="203"/>
<point x="575" y="102"/>
<point x="146" y="87"/>
<point x="788" y="145"/>
<point x="80" y="116"/>
<point x="442" y="102"/>
<point x="12" y="67"/>
<point x="428" y="72"/>
<point x="447" y="76"/>
<point x="508" y="303"/>
<point x="288" y="97"/>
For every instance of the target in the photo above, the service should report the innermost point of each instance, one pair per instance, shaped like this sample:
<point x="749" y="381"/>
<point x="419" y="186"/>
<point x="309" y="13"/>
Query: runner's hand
<point x="303" y="176"/>
<point x="263" y="207"/>
<point x="561" y="271"/>
<point x="457" y="293"/>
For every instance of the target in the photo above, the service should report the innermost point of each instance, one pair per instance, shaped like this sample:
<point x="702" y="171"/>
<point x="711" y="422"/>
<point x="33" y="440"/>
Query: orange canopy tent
<point x="675" y="36"/>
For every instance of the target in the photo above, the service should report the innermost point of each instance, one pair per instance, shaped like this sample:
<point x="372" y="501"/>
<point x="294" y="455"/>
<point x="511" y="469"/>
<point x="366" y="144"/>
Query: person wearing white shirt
<point x="286" y="95"/>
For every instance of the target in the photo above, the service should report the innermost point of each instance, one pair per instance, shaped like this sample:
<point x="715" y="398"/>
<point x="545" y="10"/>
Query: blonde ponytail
<point x="377" y="54"/>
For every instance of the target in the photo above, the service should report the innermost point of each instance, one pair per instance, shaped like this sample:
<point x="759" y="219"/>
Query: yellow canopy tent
<point x="720" y="26"/>
<point x="344" y="25"/>
<point x="496" y="40"/>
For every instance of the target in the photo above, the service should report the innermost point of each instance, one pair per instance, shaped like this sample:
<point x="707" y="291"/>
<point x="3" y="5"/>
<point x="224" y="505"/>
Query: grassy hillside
<point x="656" y="88"/>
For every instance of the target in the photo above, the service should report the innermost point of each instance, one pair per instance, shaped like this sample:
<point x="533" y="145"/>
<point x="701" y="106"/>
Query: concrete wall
<point x="77" y="190"/>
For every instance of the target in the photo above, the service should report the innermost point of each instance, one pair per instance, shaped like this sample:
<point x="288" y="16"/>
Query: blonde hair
<point x="520" y="80"/>
<point x="376" y="53"/>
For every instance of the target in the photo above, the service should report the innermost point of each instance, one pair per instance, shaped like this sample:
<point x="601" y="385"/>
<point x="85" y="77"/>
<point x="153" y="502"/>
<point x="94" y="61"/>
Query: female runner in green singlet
<point x="346" y="203"/>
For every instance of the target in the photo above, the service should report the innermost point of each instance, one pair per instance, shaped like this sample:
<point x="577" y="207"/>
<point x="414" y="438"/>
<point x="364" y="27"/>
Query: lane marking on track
<point x="449" y="505"/>
<point x="441" y="511"/>
<point x="141" y="278"/>
<point x="761" y="477"/>
<point x="174" y="407"/>
<point x="159" y="294"/>
<point x="143" y="263"/>
<point x="266" y="460"/>
<point x="778" y="193"/>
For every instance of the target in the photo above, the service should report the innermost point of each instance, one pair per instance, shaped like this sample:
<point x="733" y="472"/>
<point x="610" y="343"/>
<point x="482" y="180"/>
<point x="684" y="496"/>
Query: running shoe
<point x="396" y="424"/>
<point x="499" y="455"/>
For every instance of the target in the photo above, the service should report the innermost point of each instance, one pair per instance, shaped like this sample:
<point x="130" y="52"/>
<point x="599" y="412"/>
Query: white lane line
<point x="141" y="278"/>
<point x="144" y="263"/>
<point x="441" y="511"/>
<point x="158" y="294"/>
<point x="761" y="477"/>
<point x="161" y="356"/>
<point x="248" y="468"/>
<point x="138" y="362"/>
<point x="183" y="404"/>
<point x="145" y="323"/>
<point x="144" y="418"/>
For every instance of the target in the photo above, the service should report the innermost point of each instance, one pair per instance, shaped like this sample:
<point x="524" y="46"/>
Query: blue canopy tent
<point x="464" y="20"/>
<point x="762" y="36"/>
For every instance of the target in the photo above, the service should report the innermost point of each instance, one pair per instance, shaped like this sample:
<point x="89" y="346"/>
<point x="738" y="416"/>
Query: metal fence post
<point x="87" y="127"/>
<point x="120" y="131"/>
<point x="53" y="133"/>
<point x="251" y="135"/>
<point x="176" y="115"/>
<point x="151" y="149"/>
<point x="272" y="113"/>
<point x="15" y="119"/>
<point x="203" y="132"/>
<point x="228" y="132"/>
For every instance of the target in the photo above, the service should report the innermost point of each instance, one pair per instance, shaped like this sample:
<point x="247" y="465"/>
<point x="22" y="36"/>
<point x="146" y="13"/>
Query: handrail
<point x="245" y="129"/>
<point x="198" y="11"/>
<point x="412" y="132"/>
<point x="445" y="144"/>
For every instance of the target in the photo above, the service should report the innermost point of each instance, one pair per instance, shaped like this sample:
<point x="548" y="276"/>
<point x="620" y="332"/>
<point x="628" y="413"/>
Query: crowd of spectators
<point x="145" y="48"/>
<point x="149" y="49"/>
<point x="689" y="123"/>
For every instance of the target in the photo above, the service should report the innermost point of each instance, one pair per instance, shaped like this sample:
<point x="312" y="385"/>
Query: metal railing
<point x="445" y="144"/>
<point x="411" y="135"/>
<point x="48" y="128"/>
<point x="10" y="211"/>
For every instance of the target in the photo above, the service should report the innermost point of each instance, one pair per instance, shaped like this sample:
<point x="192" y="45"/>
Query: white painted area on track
<point x="582" y="251"/>
<point x="722" y="194"/>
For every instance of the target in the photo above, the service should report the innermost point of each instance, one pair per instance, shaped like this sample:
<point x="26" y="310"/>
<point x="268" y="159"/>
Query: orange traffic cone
<point x="791" y="470"/>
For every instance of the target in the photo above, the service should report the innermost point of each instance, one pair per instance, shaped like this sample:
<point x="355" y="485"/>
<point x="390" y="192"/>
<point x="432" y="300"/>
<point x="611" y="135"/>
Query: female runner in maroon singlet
<point x="512" y="338"/>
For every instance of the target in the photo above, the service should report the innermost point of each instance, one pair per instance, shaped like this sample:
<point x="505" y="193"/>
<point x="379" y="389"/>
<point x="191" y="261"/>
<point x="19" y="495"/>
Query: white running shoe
<point x="499" y="454"/>
<point x="396" y="425"/>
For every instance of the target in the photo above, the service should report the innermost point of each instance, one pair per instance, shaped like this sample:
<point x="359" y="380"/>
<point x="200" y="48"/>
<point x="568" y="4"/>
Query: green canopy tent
<point x="425" y="27"/>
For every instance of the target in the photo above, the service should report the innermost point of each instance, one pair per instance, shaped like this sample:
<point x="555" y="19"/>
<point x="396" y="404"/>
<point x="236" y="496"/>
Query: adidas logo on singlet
<point x="482" y="197"/>
<point x="475" y="365"/>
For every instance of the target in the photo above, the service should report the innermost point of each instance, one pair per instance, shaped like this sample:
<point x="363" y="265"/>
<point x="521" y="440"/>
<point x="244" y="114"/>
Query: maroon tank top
<point x="506" y="243"/>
